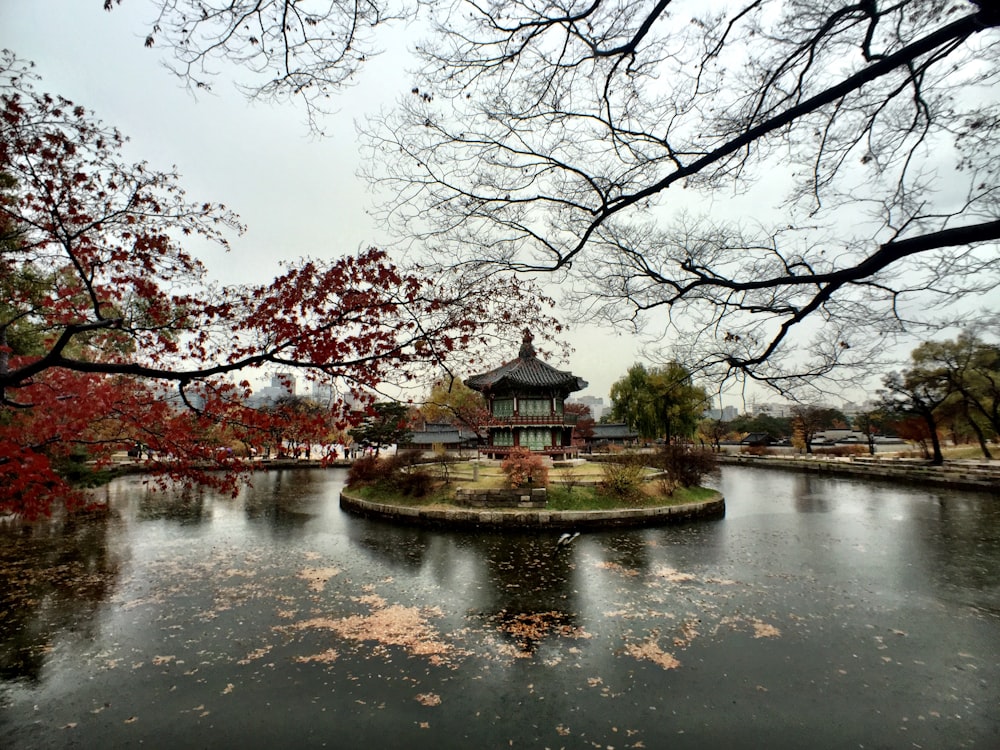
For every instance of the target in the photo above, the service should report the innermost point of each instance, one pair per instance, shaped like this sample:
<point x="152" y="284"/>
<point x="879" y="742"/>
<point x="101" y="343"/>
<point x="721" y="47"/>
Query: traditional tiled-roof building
<point x="615" y="433"/>
<point x="446" y="435"/>
<point x="525" y="398"/>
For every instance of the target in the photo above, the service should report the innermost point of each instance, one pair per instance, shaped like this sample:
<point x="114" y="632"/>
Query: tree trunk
<point x="979" y="433"/>
<point x="937" y="458"/>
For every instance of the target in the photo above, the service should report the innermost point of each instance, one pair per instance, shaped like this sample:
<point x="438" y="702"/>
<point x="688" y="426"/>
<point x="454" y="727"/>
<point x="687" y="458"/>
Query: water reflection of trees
<point x="395" y="545"/>
<point x="631" y="551"/>
<point x="964" y="548"/>
<point x="54" y="577"/>
<point x="809" y="494"/>
<point x="519" y="583"/>
<point x="282" y="500"/>
<point x="186" y="506"/>
<point x="527" y="586"/>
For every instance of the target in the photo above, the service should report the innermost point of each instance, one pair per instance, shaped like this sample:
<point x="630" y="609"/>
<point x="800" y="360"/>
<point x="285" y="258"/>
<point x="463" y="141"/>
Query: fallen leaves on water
<point x="672" y="575"/>
<point x="428" y="699"/>
<point x="528" y="629"/>
<point x="255" y="654"/>
<point x="388" y="625"/>
<point x="606" y="565"/>
<point x="229" y="573"/>
<point x="649" y="650"/>
<point x="325" y="657"/>
<point x="317" y="577"/>
<point x="689" y="632"/>
<point x="762" y="629"/>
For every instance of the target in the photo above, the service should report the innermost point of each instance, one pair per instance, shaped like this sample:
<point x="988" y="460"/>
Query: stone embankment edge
<point x="536" y="518"/>
<point x="951" y="477"/>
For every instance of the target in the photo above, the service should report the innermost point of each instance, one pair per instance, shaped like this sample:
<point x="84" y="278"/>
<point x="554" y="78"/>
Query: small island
<point x="530" y="474"/>
<point x="578" y="495"/>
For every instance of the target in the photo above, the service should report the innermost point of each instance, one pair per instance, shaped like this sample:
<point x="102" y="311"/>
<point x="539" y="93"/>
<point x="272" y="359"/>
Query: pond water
<point x="818" y="613"/>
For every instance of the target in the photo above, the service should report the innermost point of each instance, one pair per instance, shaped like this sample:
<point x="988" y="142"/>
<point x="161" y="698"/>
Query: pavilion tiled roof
<point x="526" y="371"/>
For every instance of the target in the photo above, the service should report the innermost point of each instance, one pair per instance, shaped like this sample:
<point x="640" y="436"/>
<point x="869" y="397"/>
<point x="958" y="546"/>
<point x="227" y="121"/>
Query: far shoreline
<point x="981" y="476"/>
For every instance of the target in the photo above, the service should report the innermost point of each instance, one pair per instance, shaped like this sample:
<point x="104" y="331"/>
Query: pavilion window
<point x="536" y="439"/>
<point x="503" y="407"/>
<point x="503" y="438"/>
<point x="536" y="407"/>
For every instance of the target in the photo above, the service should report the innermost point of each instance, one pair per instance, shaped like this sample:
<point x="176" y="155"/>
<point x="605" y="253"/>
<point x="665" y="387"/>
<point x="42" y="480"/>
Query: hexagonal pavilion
<point x="525" y="399"/>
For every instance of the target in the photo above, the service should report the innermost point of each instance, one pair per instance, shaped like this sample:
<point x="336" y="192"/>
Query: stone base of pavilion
<point x="521" y="517"/>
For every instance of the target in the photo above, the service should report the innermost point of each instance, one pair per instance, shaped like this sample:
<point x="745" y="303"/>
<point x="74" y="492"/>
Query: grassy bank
<point x="594" y="498"/>
<point x="571" y="488"/>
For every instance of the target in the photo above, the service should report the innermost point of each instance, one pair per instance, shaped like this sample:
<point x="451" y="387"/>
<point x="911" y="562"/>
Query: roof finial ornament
<point x="527" y="350"/>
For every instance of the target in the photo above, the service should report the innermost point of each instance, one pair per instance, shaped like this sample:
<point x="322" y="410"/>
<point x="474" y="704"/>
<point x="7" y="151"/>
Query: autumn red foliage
<point x="522" y="467"/>
<point x="584" y="427"/>
<point x="112" y="334"/>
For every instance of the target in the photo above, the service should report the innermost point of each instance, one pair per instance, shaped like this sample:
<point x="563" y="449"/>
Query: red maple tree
<point x="112" y="334"/>
<point x="584" y="427"/>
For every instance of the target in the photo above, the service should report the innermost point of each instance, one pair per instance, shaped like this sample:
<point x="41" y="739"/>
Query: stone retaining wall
<point x="955" y="476"/>
<point x="532" y="497"/>
<point x="529" y="518"/>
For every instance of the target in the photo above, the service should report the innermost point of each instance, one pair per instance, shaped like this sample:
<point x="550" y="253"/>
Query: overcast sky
<point x="298" y="195"/>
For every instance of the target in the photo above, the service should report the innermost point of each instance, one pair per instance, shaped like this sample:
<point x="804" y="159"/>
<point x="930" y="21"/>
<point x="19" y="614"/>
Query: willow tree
<point x="659" y="402"/>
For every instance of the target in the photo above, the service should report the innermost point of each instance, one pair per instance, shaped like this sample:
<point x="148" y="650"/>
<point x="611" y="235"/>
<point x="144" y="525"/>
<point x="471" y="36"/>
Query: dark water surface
<point x="819" y="613"/>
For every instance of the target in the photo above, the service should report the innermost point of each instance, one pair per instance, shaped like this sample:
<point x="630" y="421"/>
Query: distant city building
<point x="324" y="394"/>
<point x="772" y="409"/>
<point x="851" y="409"/>
<point x="725" y="414"/>
<point x="597" y="407"/>
<point x="282" y="386"/>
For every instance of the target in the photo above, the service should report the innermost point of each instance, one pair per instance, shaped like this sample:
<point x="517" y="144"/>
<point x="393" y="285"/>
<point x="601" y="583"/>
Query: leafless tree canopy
<point x="846" y="154"/>
<point x="303" y="50"/>
<point x="773" y="188"/>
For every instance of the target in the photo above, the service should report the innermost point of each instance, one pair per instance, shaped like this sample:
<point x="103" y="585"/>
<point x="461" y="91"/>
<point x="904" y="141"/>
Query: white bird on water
<point x="566" y="538"/>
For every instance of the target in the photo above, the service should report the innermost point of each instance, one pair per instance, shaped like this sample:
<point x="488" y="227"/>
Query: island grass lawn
<point x="571" y="488"/>
<point x="649" y="496"/>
